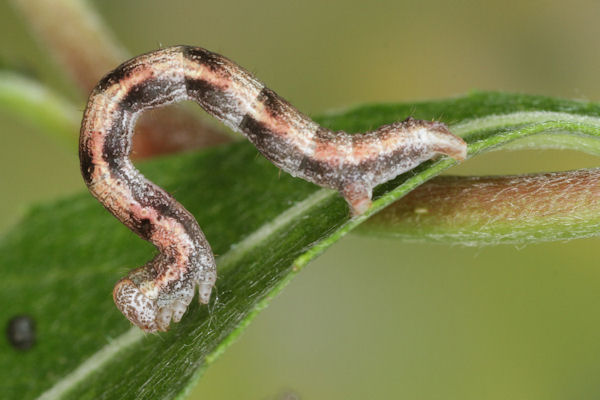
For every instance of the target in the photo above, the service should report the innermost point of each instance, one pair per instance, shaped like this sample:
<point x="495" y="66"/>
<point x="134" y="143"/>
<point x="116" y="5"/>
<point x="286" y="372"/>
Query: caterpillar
<point x="159" y="292"/>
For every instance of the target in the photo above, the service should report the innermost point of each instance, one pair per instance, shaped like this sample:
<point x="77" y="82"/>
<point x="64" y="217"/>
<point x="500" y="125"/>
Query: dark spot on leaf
<point x="21" y="332"/>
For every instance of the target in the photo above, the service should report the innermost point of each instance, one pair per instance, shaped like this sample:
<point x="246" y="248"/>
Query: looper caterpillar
<point x="160" y="291"/>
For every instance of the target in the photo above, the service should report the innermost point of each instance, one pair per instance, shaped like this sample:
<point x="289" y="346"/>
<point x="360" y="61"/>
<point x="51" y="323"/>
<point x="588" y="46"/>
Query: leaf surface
<point x="60" y="263"/>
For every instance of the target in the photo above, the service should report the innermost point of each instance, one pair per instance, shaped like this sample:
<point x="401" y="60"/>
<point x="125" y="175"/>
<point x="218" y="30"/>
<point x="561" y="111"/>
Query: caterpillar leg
<point x="152" y="306"/>
<point x="138" y="308"/>
<point x="358" y="196"/>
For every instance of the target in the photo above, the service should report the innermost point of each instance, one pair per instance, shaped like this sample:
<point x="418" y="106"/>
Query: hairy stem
<point x="516" y="209"/>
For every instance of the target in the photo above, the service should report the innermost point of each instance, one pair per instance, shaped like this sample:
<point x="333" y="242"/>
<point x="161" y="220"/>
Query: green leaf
<point x="40" y="106"/>
<point x="60" y="263"/>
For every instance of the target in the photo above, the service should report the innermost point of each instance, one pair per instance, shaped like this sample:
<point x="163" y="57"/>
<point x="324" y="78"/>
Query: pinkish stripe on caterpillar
<point x="159" y="292"/>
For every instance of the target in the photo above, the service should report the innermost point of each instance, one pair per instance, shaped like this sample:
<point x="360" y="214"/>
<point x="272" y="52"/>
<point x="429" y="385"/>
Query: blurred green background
<point x="447" y="322"/>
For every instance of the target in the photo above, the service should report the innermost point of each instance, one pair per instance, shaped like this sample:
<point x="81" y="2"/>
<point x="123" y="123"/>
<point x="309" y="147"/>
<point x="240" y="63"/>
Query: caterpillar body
<point x="159" y="292"/>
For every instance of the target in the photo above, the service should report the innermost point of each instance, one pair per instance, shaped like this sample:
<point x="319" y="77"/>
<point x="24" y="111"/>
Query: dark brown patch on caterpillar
<point x="117" y="75"/>
<point x="274" y="105"/>
<point x="145" y="228"/>
<point x="211" y="97"/>
<point x="86" y="165"/>
<point x="211" y="60"/>
<point x="269" y="144"/>
<point x="147" y="94"/>
<point x="113" y="151"/>
<point x="320" y="171"/>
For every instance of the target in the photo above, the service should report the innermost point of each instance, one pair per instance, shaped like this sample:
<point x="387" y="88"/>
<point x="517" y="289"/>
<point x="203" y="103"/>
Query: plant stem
<point x="516" y="209"/>
<point x="75" y="35"/>
<point x="39" y="106"/>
